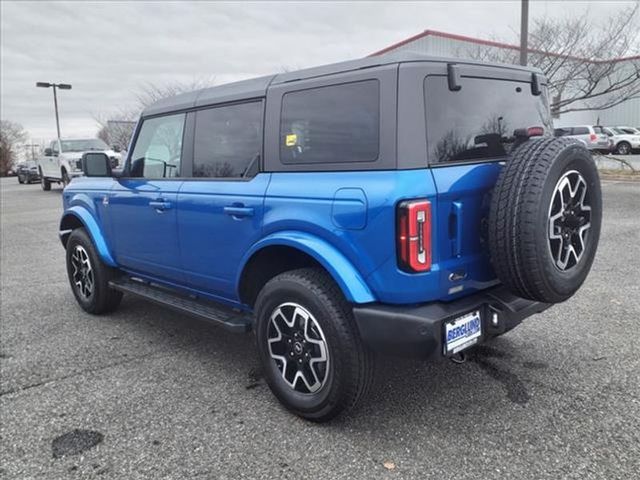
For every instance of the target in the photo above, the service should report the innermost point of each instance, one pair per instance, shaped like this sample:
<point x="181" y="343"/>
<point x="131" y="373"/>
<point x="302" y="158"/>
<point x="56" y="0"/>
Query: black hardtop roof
<point x="257" y="87"/>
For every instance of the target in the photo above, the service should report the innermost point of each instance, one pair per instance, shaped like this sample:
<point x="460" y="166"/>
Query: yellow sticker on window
<point x="291" y="140"/>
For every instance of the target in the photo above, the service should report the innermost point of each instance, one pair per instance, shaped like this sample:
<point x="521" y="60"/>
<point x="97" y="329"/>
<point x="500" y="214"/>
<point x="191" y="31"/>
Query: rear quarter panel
<point x="355" y="212"/>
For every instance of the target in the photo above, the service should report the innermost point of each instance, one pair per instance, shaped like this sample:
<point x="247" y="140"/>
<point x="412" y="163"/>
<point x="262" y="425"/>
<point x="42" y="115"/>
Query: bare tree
<point x="581" y="59"/>
<point x="116" y="133"/>
<point x="12" y="135"/>
<point x="117" y="128"/>
<point x="149" y="93"/>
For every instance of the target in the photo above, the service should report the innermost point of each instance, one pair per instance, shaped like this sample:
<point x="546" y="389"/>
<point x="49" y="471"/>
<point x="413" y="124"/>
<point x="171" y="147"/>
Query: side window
<point x="158" y="149"/>
<point x="334" y="124"/>
<point x="580" y="131"/>
<point x="228" y="141"/>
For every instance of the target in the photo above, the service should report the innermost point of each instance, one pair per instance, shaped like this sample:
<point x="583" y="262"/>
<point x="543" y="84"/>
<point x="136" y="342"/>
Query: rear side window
<point x="580" y="131"/>
<point x="478" y="121"/>
<point x="333" y="124"/>
<point x="158" y="149"/>
<point x="228" y="141"/>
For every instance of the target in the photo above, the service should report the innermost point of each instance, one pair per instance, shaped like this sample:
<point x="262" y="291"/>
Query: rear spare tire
<point x="544" y="221"/>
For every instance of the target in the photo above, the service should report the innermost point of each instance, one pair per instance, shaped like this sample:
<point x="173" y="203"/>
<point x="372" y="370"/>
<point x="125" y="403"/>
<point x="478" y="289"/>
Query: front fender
<point x="349" y="280"/>
<point x="92" y="227"/>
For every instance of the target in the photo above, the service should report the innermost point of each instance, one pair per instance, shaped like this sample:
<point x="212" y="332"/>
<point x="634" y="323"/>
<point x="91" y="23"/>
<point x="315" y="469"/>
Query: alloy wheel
<point x="623" y="149"/>
<point x="82" y="272"/>
<point x="569" y="220"/>
<point x="298" y="347"/>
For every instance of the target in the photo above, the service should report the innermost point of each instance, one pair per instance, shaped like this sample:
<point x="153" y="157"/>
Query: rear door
<point x="470" y="131"/>
<point x="220" y="208"/>
<point x="143" y="204"/>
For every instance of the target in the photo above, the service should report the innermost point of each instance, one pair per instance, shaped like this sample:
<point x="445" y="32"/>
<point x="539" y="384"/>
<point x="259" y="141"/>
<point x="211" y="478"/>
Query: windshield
<point x="83" y="145"/>
<point x="479" y="121"/>
<point x="618" y="131"/>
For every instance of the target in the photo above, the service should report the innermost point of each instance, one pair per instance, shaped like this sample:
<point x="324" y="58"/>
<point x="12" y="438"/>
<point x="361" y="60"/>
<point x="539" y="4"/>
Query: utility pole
<point x="62" y="86"/>
<point x="524" y="31"/>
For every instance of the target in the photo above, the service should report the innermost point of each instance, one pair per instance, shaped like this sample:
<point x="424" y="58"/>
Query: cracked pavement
<point x="145" y="393"/>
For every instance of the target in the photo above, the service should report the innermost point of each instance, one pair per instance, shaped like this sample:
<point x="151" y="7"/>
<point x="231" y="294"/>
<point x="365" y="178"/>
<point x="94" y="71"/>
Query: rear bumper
<point x="418" y="331"/>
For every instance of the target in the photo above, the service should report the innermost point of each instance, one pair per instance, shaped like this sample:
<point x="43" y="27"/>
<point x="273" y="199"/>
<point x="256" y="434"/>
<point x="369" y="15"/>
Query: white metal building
<point x="431" y="42"/>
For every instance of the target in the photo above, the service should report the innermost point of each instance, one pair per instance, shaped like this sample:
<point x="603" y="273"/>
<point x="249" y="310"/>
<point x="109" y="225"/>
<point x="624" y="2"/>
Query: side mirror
<point x="48" y="152"/>
<point x="96" y="164"/>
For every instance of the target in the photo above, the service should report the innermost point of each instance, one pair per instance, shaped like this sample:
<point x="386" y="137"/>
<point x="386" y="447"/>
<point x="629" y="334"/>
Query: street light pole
<point x="62" y="86"/>
<point x="55" y="104"/>
<point x="524" y="32"/>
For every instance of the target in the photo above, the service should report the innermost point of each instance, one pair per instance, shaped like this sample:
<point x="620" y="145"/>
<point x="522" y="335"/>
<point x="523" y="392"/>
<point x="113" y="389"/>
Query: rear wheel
<point x="44" y="182"/>
<point x="89" y="276"/>
<point x="544" y="221"/>
<point x="309" y="346"/>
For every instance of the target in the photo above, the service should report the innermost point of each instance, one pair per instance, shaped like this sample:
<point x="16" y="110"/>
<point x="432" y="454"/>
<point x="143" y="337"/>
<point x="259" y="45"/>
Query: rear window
<point x="333" y="124"/>
<point x="598" y="129"/>
<point x="580" y="131"/>
<point x="478" y="121"/>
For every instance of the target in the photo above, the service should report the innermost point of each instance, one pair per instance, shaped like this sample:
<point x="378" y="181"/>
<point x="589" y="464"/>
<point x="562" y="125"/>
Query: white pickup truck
<point x="61" y="160"/>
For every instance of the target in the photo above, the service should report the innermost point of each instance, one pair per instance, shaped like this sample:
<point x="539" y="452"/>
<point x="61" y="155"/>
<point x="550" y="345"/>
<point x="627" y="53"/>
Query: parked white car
<point x="61" y="160"/>
<point x="592" y="137"/>
<point x="623" y="142"/>
<point x="631" y="130"/>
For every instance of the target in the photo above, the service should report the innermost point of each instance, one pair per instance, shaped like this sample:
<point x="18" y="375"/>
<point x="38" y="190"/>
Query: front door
<point x="143" y="204"/>
<point x="220" y="209"/>
<point x="50" y="162"/>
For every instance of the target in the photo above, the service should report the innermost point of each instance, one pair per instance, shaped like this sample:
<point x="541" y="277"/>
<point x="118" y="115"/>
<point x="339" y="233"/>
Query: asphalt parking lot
<point x="144" y="393"/>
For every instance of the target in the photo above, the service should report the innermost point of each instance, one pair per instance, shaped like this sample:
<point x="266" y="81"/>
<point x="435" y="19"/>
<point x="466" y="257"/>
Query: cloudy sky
<point x="107" y="50"/>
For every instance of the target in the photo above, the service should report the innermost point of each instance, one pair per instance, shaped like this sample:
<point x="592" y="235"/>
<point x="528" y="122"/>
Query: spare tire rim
<point x="569" y="220"/>
<point x="298" y="347"/>
<point x="82" y="272"/>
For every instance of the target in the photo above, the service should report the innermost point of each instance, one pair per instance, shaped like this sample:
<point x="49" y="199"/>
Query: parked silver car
<point x="623" y="142"/>
<point x="593" y="137"/>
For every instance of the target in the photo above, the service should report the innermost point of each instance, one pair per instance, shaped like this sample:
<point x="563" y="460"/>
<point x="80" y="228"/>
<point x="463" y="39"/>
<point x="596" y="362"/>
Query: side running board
<point x="228" y="318"/>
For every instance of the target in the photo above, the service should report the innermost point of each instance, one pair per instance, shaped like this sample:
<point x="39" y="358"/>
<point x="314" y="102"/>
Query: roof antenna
<point x="453" y="77"/>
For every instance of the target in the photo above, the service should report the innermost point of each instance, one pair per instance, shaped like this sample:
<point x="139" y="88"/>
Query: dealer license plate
<point x="462" y="332"/>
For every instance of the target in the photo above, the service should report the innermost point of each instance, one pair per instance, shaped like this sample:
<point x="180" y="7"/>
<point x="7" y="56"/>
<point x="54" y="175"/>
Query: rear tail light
<point x="593" y="137"/>
<point x="414" y="235"/>
<point x="535" y="131"/>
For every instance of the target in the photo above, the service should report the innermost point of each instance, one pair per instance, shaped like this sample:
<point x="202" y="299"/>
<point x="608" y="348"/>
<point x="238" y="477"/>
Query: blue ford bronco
<point x="404" y="204"/>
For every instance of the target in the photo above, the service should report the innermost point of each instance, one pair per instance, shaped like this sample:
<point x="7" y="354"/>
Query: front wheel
<point x="623" y="148"/>
<point x="89" y="276"/>
<point x="310" y="348"/>
<point x="65" y="179"/>
<point x="20" y="179"/>
<point x="44" y="182"/>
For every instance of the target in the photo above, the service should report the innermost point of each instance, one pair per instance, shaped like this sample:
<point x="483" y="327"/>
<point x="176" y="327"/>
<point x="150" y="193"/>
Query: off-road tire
<point x="44" y="182"/>
<point x="103" y="299"/>
<point x="350" y="371"/>
<point x="519" y="219"/>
